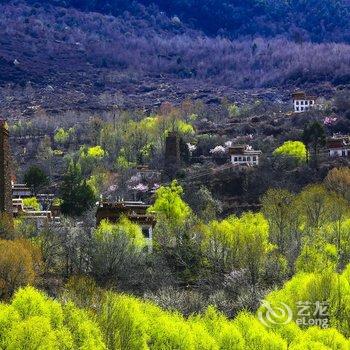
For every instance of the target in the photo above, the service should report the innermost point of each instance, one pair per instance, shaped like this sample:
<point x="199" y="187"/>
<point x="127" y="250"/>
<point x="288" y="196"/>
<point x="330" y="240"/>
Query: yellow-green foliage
<point x="293" y="149"/>
<point x="63" y="136"/>
<point x="233" y="110"/>
<point x="317" y="258"/>
<point x="157" y="125"/>
<point x="97" y="182"/>
<point x="124" y="228"/>
<point x="32" y="202"/>
<point x="325" y="286"/>
<point x="34" y="321"/>
<point x="169" y="204"/>
<point x="184" y="128"/>
<point x="96" y="152"/>
<point x="90" y="157"/>
<point x="256" y="336"/>
<point x="134" y="324"/>
<point x="122" y="322"/>
<point x="122" y="162"/>
<point x="238" y="242"/>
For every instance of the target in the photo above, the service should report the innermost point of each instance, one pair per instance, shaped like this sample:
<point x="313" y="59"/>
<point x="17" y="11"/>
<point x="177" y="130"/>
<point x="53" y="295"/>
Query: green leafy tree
<point x="77" y="196"/>
<point x="316" y="208"/>
<point x="292" y="149"/>
<point x="238" y="243"/>
<point x="314" y="137"/>
<point x="170" y="206"/>
<point x="317" y="258"/>
<point x="117" y="251"/>
<point x="34" y="321"/>
<point x="96" y="152"/>
<point x="204" y="205"/>
<point x="35" y="178"/>
<point x="278" y="206"/>
<point x="17" y="266"/>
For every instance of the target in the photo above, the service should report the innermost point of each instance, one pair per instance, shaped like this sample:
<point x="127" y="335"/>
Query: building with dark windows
<point x="303" y="102"/>
<point x="136" y="212"/>
<point x="244" y="155"/>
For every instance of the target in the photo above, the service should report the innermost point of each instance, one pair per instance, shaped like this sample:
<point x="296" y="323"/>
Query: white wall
<point x="301" y="106"/>
<point x="338" y="152"/>
<point x="239" y="159"/>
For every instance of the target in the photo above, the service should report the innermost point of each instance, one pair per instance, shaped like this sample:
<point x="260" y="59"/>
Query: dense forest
<point x="299" y="20"/>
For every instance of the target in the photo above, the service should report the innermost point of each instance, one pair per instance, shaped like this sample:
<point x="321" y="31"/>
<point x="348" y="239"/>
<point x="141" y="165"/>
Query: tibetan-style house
<point x="244" y="155"/>
<point x="136" y="212"/>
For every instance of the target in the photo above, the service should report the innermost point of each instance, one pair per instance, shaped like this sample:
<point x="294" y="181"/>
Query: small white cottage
<point x="244" y="155"/>
<point x="338" y="146"/>
<point x="303" y="102"/>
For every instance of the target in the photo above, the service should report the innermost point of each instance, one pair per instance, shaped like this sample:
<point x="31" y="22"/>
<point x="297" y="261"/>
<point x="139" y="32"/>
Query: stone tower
<point x="172" y="156"/>
<point x="5" y="170"/>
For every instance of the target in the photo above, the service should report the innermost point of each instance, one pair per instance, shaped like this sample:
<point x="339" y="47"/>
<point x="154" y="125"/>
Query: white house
<point x="303" y="102"/>
<point x="244" y="155"/>
<point x="338" y="146"/>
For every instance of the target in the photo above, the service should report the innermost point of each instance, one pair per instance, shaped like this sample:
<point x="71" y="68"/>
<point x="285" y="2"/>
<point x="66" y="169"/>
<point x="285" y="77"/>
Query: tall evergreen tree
<point x="314" y="137"/>
<point x="76" y="194"/>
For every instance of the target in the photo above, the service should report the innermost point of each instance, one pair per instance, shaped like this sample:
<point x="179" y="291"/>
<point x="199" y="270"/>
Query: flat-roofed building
<point x="303" y="102"/>
<point x="21" y="191"/>
<point x="135" y="211"/>
<point x="338" y="146"/>
<point x="244" y="155"/>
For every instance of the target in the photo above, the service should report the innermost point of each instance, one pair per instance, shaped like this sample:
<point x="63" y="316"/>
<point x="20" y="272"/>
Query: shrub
<point x="292" y="149"/>
<point x="34" y="321"/>
<point x="17" y="266"/>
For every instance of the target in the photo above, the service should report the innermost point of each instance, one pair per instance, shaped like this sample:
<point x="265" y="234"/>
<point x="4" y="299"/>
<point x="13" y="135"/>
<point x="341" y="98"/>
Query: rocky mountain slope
<point x="58" y="58"/>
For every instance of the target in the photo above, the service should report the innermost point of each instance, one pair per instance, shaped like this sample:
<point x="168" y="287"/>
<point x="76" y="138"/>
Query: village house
<point x="338" y="146"/>
<point x="21" y="191"/>
<point x="244" y="155"/>
<point x="303" y="102"/>
<point x="11" y="194"/>
<point x="136" y="212"/>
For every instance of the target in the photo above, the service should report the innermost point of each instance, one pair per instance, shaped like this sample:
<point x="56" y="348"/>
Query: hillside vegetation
<point x="55" y="45"/>
<point x="316" y="20"/>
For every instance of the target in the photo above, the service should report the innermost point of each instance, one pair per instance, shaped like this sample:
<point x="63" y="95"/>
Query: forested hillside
<point x="316" y="20"/>
<point x="64" y="56"/>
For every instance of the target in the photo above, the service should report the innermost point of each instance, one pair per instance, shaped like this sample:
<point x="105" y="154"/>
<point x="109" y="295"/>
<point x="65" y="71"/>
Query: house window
<point x="297" y="109"/>
<point x="239" y="159"/>
<point x="301" y="108"/>
<point x="311" y="102"/>
<point x="146" y="232"/>
<point x="297" y="103"/>
<point x="302" y="102"/>
<point x="254" y="159"/>
<point x="235" y="159"/>
<point x="244" y="159"/>
<point x="248" y="159"/>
